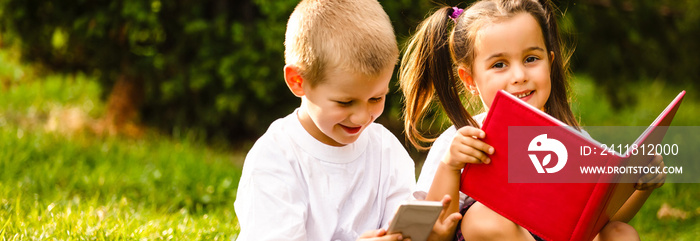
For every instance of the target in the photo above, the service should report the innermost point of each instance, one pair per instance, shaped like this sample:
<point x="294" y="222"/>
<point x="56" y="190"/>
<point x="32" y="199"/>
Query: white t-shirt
<point x="294" y="187"/>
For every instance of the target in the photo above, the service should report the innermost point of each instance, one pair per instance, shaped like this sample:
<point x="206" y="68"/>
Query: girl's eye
<point x="498" y="65"/>
<point x="531" y="59"/>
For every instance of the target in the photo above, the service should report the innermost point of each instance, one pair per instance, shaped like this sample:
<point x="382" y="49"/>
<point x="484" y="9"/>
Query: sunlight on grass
<point x="593" y="108"/>
<point x="114" y="188"/>
<point x="78" y="185"/>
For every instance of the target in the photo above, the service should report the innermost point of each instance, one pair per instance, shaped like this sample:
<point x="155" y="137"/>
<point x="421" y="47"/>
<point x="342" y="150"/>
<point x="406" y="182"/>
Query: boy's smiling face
<point x="337" y="110"/>
<point x="511" y="55"/>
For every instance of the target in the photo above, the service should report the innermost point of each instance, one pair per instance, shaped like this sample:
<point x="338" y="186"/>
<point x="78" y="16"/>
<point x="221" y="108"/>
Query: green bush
<point x="622" y="42"/>
<point x="215" y="65"/>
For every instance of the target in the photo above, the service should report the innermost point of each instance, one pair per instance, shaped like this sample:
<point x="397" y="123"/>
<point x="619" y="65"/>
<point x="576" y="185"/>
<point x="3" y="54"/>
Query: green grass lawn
<point x="77" y="185"/>
<point x="84" y="187"/>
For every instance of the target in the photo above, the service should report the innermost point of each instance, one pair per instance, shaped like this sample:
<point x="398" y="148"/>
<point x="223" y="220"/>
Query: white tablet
<point x="415" y="219"/>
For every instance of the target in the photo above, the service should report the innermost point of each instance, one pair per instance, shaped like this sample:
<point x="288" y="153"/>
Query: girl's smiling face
<point x="511" y="55"/>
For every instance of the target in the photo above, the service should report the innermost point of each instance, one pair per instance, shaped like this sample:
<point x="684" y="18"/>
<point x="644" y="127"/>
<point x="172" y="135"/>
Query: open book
<point x="534" y="178"/>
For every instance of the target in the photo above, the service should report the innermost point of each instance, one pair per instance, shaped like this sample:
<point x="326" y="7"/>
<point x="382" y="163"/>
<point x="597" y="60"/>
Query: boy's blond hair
<point x="354" y="35"/>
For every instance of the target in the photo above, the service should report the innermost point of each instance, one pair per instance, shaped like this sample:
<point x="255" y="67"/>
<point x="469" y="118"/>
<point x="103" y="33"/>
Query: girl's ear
<point x="551" y="57"/>
<point x="466" y="77"/>
<point x="294" y="80"/>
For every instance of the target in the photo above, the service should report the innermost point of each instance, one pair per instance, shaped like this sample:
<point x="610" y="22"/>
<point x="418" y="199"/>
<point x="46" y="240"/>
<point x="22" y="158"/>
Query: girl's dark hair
<point x="441" y="44"/>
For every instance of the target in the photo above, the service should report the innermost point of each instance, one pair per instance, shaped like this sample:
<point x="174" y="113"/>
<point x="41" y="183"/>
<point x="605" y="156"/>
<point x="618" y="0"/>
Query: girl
<point x="511" y="45"/>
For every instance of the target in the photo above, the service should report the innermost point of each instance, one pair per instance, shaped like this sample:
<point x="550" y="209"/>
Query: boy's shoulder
<point x="276" y="139"/>
<point x="277" y="127"/>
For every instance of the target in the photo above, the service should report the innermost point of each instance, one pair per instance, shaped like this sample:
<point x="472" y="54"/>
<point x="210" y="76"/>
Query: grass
<point x="651" y="97"/>
<point x="78" y="185"/>
<point x="113" y="189"/>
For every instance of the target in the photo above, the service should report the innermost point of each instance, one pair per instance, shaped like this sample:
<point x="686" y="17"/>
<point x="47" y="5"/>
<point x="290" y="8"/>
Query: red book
<point x="538" y="184"/>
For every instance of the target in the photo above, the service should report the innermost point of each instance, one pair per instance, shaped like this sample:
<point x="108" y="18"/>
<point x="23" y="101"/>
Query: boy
<point x="326" y="171"/>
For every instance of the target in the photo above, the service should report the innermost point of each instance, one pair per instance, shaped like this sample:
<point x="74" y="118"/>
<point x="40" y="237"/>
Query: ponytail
<point x="427" y="70"/>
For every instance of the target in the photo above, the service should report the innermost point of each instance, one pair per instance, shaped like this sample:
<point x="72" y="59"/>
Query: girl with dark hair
<point x="493" y="45"/>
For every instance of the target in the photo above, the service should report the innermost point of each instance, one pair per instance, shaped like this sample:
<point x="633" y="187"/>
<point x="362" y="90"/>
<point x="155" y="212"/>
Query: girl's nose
<point x="519" y="76"/>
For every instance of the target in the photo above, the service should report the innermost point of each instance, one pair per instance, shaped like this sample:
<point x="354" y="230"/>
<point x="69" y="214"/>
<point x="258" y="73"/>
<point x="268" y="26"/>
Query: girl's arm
<point x="466" y="147"/>
<point x="631" y="206"/>
<point x="446" y="182"/>
<point x="645" y="186"/>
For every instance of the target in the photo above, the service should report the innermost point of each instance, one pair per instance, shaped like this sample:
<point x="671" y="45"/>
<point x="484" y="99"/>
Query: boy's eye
<point x="531" y="59"/>
<point x="498" y="65"/>
<point x="344" y="103"/>
<point x="375" y="100"/>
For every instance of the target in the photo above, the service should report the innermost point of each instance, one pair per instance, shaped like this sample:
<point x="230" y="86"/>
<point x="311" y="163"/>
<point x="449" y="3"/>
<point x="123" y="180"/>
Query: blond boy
<point x="327" y="171"/>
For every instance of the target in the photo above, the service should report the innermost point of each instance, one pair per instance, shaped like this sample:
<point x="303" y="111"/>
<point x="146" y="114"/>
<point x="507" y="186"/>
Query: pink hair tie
<point x="455" y="13"/>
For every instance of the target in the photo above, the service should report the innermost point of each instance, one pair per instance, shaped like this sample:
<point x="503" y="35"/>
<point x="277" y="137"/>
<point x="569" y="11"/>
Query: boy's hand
<point x="652" y="180"/>
<point x="380" y="234"/>
<point x="467" y="147"/>
<point x="444" y="228"/>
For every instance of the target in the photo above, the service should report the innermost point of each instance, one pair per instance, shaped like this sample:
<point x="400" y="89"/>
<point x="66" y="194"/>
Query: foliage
<point x="622" y="42"/>
<point x="215" y="65"/>
<point x="205" y="64"/>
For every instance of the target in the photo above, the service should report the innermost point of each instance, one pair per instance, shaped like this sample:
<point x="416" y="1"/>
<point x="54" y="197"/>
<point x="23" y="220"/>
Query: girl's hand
<point x="446" y="224"/>
<point x="467" y="147"/>
<point x="652" y="180"/>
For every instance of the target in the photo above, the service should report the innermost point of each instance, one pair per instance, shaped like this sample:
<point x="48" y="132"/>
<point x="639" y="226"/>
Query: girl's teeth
<point x="523" y="94"/>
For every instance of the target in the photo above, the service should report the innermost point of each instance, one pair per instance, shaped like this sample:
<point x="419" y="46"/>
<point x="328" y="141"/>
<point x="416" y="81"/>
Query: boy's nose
<point x="361" y="116"/>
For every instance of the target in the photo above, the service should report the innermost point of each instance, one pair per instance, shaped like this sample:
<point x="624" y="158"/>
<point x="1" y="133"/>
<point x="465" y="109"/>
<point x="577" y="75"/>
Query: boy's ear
<point x="466" y="78"/>
<point x="294" y="80"/>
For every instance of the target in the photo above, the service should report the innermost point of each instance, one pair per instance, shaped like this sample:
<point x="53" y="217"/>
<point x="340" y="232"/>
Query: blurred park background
<point x="131" y="119"/>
